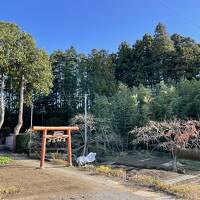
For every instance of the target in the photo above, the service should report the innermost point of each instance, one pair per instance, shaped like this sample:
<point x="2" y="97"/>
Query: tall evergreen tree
<point x="187" y="58"/>
<point x="58" y="61"/>
<point x="142" y="69"/>
<point x="124" y="64"/>
<point x="163" y="50"/>
<point x="32" y="72"/>
<point x="123" y="109"/>
<point x="100" y="69"/>
<point x="9" y="34"/>
<point x="70" y="78"/>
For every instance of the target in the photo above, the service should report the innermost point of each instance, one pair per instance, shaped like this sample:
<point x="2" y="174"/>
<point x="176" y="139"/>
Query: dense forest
<point x="156" y="78"/>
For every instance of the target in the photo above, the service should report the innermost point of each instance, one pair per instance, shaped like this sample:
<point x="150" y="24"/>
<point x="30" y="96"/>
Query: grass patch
<point x="4" y="160"/>
<point x="90" y="168"/>
<point x="105" y="170"/>
<point x="58" y="159"/>
<point x="7" y="191"/>
<point x="186" y="191"/>
<point x="59" y="162"/>
<point x="111" y="171"/>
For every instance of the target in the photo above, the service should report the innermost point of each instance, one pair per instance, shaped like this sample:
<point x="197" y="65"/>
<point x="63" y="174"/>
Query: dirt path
<point x="63" y="183"/>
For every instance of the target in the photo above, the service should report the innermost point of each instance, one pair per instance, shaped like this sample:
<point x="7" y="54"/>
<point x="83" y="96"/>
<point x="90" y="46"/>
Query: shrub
<point x="35" y="145"/>
<point x="22" y="143"/>
<point x="169" y="135"/>
<point x="5" y="160"/>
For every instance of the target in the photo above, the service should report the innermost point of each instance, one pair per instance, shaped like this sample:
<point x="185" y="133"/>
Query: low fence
<point x="192" y="154"/>
<point x="9" y="142"/>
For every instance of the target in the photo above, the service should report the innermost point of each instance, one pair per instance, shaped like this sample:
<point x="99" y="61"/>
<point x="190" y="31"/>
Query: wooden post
<point x="42" y="159"/>
<point x="69" y="145"/>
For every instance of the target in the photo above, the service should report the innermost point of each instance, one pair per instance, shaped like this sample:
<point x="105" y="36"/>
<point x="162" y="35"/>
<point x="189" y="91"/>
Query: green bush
<point x="35" y="145"/>
<point x="5" y="160"/>
<point x="22" y="143"/>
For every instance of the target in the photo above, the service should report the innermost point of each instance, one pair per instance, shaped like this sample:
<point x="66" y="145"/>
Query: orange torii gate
<point x="66" y="129"/>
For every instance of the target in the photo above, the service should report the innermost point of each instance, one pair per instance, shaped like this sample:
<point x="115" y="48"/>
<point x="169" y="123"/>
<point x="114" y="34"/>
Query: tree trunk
<point x="174" y="164"/>
<point x="31" y="122"/>
<point x="85" y="132"/>
<point x="20" y="115"/>
<point x="2" y="104"/>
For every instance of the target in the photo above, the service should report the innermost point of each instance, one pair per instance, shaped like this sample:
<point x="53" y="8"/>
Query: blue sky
<point x="88" y="24"/>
